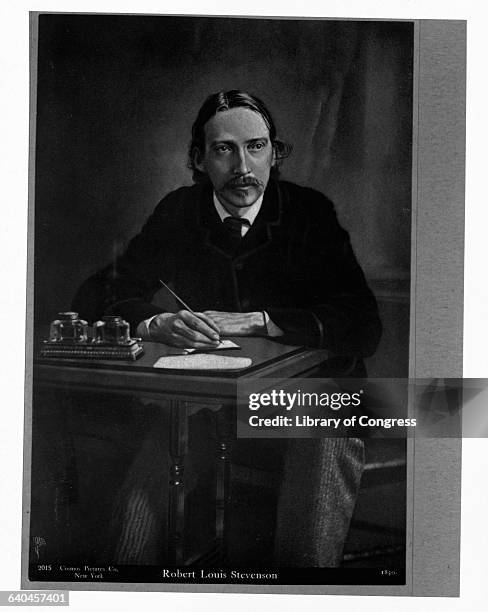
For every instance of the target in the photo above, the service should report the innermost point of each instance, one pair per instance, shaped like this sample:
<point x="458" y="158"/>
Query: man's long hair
<point x="225" y="100"/>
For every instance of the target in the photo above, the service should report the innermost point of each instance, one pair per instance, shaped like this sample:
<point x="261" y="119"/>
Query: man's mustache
<point x="244" y="181"/>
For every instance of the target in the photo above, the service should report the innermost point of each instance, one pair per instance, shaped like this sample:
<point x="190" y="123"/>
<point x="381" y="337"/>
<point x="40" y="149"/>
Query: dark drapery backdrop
<point x="116" y="99"/>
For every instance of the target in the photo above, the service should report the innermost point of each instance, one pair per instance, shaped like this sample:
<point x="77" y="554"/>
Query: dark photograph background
<point x="116" y="98"/>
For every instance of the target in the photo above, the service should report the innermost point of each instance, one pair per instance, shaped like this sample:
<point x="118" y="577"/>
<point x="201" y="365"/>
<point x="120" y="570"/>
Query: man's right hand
<point x="185" y="330"/>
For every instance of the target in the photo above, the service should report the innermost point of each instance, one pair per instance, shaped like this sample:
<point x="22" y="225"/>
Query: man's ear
<point x="198" y="160"/>
<point x="273" y="159"/>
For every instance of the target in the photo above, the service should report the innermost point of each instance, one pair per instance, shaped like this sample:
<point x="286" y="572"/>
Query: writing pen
<point x="185" y="306"/>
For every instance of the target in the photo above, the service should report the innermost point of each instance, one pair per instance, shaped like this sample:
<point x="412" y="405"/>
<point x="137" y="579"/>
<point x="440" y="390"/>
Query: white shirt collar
<point x="250" y="213"/>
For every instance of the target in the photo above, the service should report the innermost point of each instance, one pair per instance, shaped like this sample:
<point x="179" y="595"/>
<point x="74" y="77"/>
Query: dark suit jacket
<point x="295" y="262"/>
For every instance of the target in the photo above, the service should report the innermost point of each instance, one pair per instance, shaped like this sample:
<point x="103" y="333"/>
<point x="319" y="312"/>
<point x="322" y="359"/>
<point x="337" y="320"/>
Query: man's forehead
<point x="235" y="124"/>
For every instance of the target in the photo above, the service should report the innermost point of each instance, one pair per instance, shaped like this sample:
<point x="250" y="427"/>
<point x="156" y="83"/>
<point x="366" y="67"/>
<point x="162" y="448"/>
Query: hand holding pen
<point x="184" y="329"/>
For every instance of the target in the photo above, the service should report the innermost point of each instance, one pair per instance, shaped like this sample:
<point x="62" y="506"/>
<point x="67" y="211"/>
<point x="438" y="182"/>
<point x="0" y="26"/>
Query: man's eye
<point x="257" y="146"/>
<point x="221" y="148"/>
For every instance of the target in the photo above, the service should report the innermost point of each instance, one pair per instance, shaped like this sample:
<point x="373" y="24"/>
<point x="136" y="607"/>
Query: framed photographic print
<point x="248" y="199"/>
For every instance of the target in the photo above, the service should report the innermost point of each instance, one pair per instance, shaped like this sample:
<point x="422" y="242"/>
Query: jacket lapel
<point x="268" y="219"/>
<point x="258" y="236"/>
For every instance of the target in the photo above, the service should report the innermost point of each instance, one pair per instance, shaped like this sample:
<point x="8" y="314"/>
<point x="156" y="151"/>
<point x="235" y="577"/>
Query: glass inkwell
<point x="112" y="330"/>
<point x="68" y="328"/>
<point x="71" y="338"/>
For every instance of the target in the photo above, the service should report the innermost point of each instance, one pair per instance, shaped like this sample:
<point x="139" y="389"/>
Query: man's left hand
<point x="238" y="323"/>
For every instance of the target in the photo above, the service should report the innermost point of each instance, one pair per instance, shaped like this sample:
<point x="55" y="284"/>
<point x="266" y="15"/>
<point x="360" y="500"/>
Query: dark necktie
<point x="233" y="226"/>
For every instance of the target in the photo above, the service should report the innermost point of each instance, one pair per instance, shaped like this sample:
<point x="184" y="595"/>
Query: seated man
<point x="254" y="255"/>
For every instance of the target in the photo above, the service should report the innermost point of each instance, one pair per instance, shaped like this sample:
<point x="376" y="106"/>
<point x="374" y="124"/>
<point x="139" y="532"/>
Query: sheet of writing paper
<point x="224" y="344"/>
<point x="202" y="361"/>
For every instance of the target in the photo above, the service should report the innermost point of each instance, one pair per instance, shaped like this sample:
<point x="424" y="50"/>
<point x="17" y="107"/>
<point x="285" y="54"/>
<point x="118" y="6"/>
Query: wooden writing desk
<point x="177" y="391"/>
